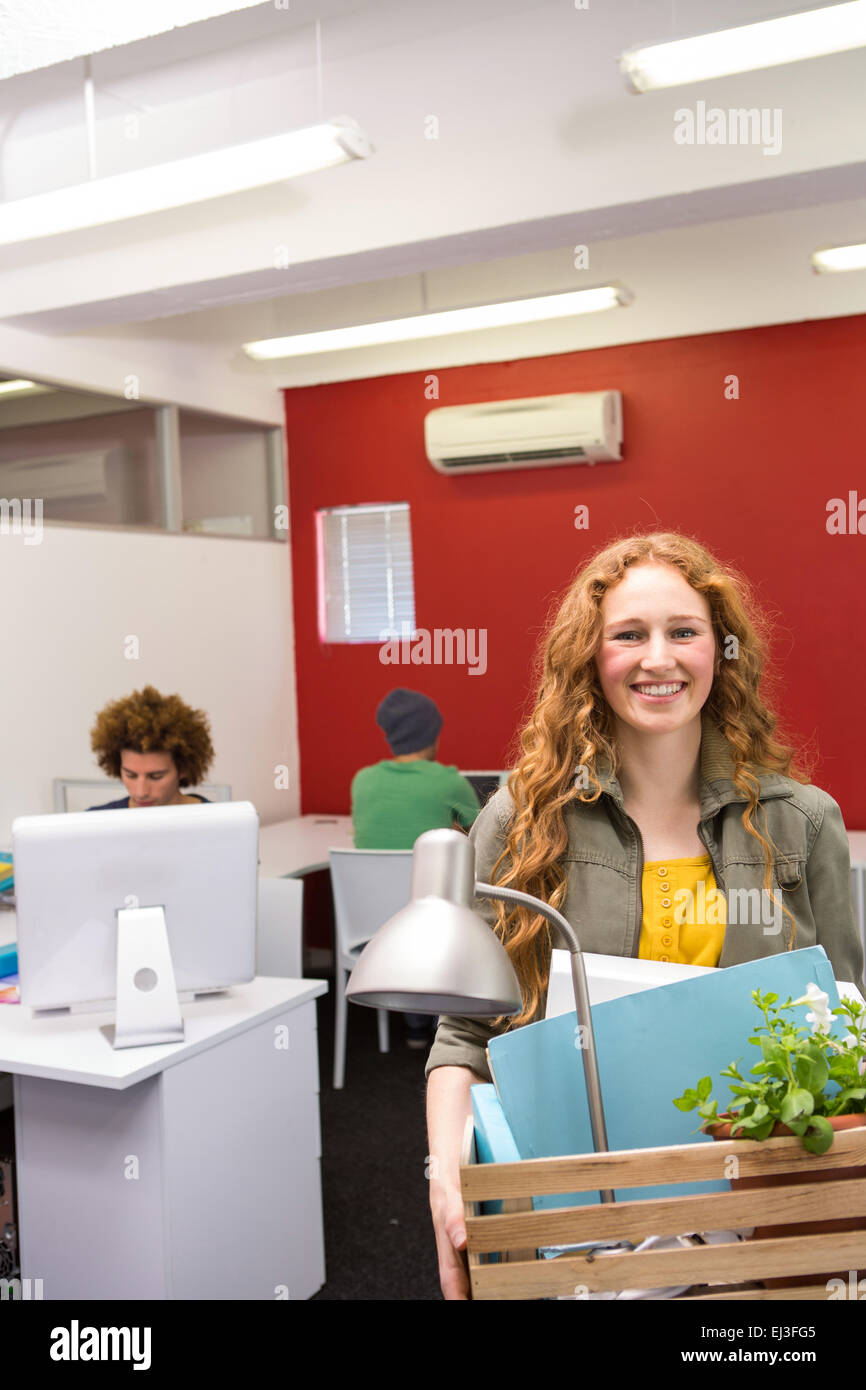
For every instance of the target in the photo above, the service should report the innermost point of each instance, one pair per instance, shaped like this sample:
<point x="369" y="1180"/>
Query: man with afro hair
<point x="156" y="745"/>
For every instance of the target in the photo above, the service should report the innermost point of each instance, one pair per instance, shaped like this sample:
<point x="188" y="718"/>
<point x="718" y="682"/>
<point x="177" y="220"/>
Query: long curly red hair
<point x="572" y="726"/>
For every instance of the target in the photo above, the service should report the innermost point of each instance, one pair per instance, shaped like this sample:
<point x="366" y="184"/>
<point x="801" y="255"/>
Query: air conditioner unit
<point x="535" y="432"/>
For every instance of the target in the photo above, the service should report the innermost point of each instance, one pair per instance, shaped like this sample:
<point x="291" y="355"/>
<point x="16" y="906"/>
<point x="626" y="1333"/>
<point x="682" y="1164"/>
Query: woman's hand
<point x="449" y="1120"/>
<point x="449" y="1225"/>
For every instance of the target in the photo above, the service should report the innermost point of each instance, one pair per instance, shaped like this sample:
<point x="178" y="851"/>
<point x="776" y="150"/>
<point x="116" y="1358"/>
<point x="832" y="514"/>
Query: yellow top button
<point x="662" y="873"/>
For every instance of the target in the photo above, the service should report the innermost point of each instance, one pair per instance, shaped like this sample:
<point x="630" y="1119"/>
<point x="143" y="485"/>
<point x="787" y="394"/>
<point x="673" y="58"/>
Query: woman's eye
<point x="620" y="636"/>
<point x="685" y="632"/>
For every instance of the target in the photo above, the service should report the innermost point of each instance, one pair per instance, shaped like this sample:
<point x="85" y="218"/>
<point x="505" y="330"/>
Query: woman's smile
<point x="660" y="693"/>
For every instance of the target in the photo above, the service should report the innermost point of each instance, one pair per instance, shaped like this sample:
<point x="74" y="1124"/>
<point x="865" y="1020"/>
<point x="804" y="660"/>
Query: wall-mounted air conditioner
<point x="535" y="432"/>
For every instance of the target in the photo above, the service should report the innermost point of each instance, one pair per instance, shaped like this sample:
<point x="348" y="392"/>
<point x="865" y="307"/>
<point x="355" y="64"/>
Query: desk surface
<point x="300" y="846"/>
<point x="857" y="845"/>
<point x="70" y="1047"/>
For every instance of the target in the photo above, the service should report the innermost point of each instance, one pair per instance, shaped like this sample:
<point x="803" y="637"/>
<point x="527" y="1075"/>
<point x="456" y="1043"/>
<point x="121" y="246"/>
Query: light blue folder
<point x="651" y="1047"/>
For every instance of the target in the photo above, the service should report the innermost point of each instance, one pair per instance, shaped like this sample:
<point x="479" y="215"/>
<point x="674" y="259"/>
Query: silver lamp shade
<point x="436" y="955"/>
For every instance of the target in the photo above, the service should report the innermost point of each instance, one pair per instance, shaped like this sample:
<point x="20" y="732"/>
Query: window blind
<point x="366" y="583"/>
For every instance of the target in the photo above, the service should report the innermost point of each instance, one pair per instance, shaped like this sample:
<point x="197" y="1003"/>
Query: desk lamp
<point x="438" y="956"/>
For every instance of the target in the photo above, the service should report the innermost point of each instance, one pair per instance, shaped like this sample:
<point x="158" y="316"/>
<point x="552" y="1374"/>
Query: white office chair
<point x="279" y="928"/>
<point x="369" y="886"/>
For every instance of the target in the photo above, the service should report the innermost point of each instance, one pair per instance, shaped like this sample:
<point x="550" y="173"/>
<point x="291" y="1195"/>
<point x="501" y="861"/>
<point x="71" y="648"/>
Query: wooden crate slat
<point x="670" y="1216"/>
<point x="807" y="1291"/>
<point x="651" y="1167"/>
<point x="514" y="1252"/>
<point x="470" y="1209"/>
<point x="705" y="1264"/>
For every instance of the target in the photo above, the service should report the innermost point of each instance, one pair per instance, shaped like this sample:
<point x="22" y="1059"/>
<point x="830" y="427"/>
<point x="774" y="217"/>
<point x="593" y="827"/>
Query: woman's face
<point x="152" y="779"/>
<point x="657" y="652"/>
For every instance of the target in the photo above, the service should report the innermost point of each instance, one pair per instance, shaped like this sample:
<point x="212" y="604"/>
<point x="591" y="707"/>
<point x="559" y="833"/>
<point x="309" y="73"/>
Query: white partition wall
<point x="89" y="615"/>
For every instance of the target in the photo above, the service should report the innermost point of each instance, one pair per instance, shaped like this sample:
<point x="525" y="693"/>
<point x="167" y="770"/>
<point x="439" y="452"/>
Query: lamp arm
<point x="586" y="1036"/>
<point x="512" y="895"/>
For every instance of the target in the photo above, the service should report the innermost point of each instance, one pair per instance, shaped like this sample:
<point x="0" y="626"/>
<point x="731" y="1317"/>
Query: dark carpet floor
<point x="379" y="1240"/>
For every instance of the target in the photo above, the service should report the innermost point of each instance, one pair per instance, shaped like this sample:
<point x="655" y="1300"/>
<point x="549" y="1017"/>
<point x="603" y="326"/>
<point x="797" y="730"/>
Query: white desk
<point x="300" y="846"/>
<point x="180" y="1171"/>
<point x="857" y="847"/>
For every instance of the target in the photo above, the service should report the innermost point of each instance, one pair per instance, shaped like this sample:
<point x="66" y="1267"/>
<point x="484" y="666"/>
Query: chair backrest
<point x="78" y="793"/>
<point x="369" y="886"/>
<point x="279" y="928"/>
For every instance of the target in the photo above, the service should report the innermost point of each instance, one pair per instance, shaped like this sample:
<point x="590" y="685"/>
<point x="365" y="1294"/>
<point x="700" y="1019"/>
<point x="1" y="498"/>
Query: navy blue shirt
<point x="123" y="803"/>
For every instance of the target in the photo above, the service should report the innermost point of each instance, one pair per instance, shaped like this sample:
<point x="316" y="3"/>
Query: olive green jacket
<point x="604" y="868"/>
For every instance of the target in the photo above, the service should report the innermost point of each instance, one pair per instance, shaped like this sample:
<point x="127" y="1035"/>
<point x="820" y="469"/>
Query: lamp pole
<point x="468" y="969"/>
<point x="581" y="1004"/>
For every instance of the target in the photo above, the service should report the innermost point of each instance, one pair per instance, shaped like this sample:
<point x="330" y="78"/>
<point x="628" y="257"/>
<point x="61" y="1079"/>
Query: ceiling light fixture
<point x="234" y="169"/>
<point x="768" y="44"/>
<point x="437" y="325"/>
<point x="20" y="387"/>
<point x="840" y="258"/>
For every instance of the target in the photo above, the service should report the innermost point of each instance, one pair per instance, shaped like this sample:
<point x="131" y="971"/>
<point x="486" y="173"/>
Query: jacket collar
<point x="717" y="774"/>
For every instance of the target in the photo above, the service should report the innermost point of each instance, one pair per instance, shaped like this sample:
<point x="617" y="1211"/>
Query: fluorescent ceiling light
<point x="234" y="169"/>
<point x="840" y="258"/>
<point x="788" y="39"/>
<point x="38" y="36"/>
<point x="22" y="388"/>
<point x="548" y="306"/>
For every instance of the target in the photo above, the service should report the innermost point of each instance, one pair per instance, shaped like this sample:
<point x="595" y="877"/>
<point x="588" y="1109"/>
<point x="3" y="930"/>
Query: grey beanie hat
<point x="410" y="721"/>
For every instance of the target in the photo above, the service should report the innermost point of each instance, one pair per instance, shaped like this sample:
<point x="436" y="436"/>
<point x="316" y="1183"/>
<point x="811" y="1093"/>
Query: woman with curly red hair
<point x="649" y="778"/>
<point x="156" y="745"/>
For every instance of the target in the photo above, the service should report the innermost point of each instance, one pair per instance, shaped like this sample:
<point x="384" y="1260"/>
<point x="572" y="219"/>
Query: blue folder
<point x="651" y="1046"/>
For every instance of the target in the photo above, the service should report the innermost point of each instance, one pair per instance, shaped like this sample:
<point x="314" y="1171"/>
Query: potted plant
<point x="807" y="1082"/>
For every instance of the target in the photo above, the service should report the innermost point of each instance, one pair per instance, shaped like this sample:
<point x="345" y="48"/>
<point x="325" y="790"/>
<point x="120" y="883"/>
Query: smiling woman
<point x="156" y="745"/>
<point x="650" y="772"/>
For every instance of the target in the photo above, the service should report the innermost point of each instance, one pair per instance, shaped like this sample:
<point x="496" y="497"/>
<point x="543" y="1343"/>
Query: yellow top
<point x="683" y="912"/>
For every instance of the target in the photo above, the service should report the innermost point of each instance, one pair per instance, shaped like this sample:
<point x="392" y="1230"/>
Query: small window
<point x="366" y="585"/>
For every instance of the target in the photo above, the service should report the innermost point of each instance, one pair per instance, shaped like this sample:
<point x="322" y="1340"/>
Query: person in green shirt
<point x="396" y="800"/>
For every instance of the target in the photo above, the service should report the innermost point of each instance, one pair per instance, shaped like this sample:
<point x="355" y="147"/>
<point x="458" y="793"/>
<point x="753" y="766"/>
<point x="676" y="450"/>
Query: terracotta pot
<point x="801" y="1228"/>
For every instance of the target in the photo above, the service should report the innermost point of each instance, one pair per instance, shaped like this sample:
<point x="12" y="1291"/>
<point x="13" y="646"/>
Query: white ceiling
<point x="39" y="33"/>
<point x="540" y="148"/>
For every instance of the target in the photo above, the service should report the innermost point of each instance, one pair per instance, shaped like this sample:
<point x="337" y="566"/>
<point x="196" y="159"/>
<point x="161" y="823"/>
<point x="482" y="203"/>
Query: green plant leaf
<point x="799" y="1126"/>
<point x="820" y="1135"/>
<point x="796" y="1103"/>
<point x="772" y="1051"/>
<point x="705" y="1085"/>
<point x="849" y="1093"/>
<point x="812" y="1071"/>
<point x="764" y="1129"/>
<point x="685" y="1102"/>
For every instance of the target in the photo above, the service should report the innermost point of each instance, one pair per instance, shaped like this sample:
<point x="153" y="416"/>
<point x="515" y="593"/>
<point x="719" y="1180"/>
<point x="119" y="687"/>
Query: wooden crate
<point x="732" y="1271"/>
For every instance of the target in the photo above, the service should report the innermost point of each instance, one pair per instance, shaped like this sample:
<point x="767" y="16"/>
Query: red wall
<point x="750" y="477"/>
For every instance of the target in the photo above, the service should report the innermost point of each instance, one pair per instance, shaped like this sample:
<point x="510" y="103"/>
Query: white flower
<point x="820" y="1023"/>
<point x="821" y="1019"/>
